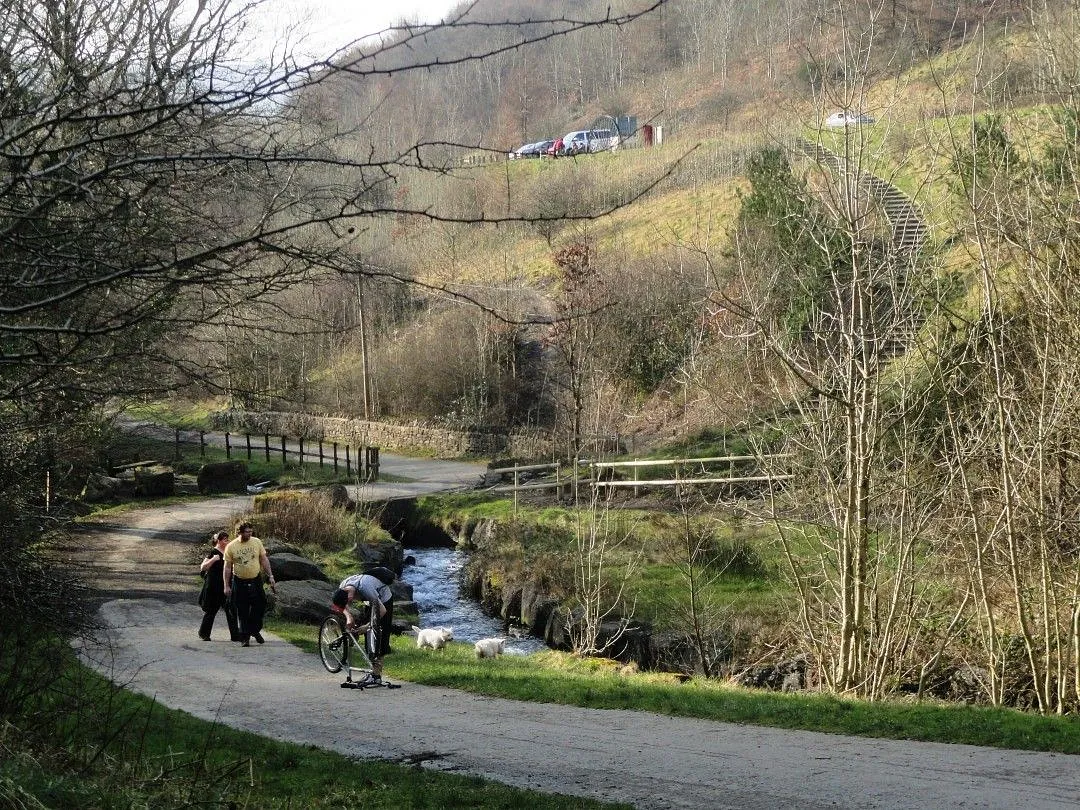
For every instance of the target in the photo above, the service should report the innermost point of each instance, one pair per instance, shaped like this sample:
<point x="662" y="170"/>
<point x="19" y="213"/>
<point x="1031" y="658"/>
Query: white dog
<point x="489" y="647"/>
<point x="434" y="637"/>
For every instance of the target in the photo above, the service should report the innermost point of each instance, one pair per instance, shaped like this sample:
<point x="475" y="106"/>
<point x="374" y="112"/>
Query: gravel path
<point x="648" y="760"/>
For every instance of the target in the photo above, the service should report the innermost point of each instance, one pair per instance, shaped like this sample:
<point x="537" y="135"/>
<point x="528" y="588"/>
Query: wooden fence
<point x="364" y="460"/>
<point x="702" y="472"/>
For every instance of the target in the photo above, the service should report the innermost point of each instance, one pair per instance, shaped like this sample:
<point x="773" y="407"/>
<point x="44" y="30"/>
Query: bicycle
<point x="338" y="646"/>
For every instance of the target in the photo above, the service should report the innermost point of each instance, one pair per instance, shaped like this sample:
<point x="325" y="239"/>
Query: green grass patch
<point x="180" y="414"/>
<point x="554" y="677"/>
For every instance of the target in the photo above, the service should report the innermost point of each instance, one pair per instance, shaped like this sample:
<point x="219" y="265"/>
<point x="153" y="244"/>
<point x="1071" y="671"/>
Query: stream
<point x="435" y="580"/>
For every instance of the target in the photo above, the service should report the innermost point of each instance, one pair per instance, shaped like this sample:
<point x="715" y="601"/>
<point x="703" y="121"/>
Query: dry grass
<point x="303" y="518"/>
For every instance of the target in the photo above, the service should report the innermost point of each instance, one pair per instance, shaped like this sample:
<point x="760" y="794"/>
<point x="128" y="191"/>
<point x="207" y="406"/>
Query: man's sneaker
<point x="258" y="638"/>
<point x="370" y="680"/>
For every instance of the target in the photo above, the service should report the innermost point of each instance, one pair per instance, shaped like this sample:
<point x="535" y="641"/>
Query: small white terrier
<point x="489" y="647"/>
<point x="434" y="637"/>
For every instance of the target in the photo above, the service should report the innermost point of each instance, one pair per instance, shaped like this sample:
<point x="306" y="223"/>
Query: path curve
<point x="651" y="761"/>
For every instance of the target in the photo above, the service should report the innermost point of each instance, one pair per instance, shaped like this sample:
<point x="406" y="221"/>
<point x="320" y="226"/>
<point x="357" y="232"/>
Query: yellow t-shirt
<point x="244" y="556"/>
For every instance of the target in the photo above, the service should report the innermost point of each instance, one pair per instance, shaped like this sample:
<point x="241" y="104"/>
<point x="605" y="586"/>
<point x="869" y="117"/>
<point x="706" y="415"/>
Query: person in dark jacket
<point x="213" y="592"/>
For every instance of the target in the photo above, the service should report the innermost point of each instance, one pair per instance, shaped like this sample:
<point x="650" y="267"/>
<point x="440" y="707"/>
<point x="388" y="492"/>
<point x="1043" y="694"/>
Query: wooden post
<point x="202" y="444"/>
<point x="247" y="441"/>
<point x="634" y="489"/>
<point x="348" y="464"/>
<point x="320" y="455"/>
<point x="228" y="448"/>
<point x="301" y="452"/>
<point x="284" y="453"/>
<point x="515" y="490"/>
<point x="335" y="458"/>
<point x="373" y="463"/>
<point x="266" y="446"/>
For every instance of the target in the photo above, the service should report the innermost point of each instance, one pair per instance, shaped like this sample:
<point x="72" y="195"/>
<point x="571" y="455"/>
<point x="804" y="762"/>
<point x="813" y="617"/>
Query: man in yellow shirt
<point x="245" y="559"/>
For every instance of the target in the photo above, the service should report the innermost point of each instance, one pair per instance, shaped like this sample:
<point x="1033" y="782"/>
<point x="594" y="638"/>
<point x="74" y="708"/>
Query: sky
<point x="326" y="25"/>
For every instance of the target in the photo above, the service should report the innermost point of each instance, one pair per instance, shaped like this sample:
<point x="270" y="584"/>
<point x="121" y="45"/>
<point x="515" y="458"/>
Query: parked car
<point x="534" y="149"/>
<point x="514" y="154"/>
<point x="542" y="147"/>
<point x="845" y="118"/>
<point x="590" y="140"/>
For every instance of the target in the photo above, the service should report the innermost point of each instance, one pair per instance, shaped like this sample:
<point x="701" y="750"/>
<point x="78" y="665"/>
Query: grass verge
<point x="555" y="677"/>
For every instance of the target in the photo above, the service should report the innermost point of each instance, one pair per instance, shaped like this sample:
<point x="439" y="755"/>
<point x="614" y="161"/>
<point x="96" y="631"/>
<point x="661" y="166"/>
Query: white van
<point x="589" y="140"/>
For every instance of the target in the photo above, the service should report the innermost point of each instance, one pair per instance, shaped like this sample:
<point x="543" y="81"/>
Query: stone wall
<point x="441" y="442"/>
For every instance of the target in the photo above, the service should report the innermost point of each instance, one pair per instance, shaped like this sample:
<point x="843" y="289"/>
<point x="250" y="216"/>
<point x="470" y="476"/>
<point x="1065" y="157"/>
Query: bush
<point x="304" y="518"/>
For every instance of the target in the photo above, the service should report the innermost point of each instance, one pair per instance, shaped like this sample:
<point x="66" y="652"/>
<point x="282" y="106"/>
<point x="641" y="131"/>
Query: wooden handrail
<point x="662" y="462"/>
<point x="678" y="481"/>
<point x="525" y="468"/>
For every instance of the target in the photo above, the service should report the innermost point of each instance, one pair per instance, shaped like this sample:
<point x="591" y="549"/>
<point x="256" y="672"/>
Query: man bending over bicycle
<point x="372" y="587"/>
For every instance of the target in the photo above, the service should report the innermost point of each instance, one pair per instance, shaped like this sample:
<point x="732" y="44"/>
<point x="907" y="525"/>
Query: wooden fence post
<point x="373" y="464"/>
<point x="247" y="441"/>
<point x="320" y="454"/>
<point x="284" y="453"/>
<point x="266" y="446"/>
<point x="348" y="464"/>
<point x="228" y="448"/>
<point x="301" y="452"/>
<point x="335" y="458"/>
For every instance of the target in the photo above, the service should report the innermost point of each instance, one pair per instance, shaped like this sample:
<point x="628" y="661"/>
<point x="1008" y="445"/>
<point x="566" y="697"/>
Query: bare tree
<point x="606" y="559"/>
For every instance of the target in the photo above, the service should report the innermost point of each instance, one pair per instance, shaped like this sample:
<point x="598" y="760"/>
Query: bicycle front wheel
<point x="333" y="644"/>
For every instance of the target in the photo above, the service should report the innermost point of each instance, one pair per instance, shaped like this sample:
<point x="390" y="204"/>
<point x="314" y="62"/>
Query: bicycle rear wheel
<point x="333" y="644"/>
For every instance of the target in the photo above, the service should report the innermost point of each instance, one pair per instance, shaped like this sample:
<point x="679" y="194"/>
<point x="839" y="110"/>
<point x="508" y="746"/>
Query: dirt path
<point x="648" y="760"/>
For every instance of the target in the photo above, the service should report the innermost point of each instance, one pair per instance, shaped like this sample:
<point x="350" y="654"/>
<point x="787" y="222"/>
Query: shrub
<point x="304" y="518"/>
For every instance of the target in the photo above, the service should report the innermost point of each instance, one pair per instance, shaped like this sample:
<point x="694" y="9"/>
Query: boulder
<point x="403" y="592"/>
<point x="288" y="567"/>
<point x="624" y="642"/>
<point x="776" y="676"/>
<point x="390" y="554"/>
<point x="557" y="631"/>
<point x="100" y="488"/>
<point x="275" y="546"/>
<point x="156" y="481"/>
<point x="302" y="600"/>
<point x="223" y="476"/>
<point x="545" y="608"/>
<point x="510" y="610"/>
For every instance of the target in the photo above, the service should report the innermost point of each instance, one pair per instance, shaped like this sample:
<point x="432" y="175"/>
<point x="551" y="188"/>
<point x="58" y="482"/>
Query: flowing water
<point x="436" y="589"/>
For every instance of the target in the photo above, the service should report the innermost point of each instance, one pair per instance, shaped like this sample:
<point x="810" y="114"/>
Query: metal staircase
<point x="909" y="231"/>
